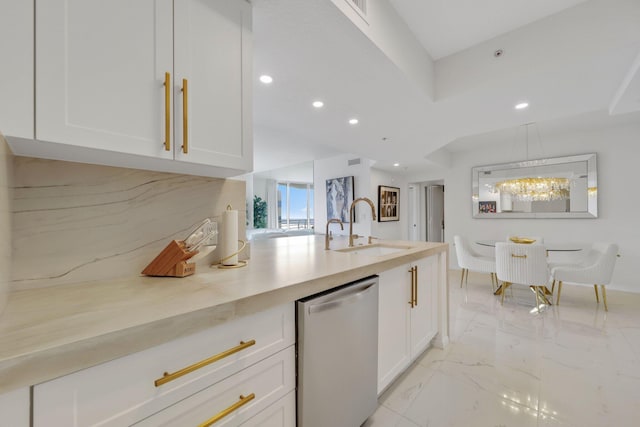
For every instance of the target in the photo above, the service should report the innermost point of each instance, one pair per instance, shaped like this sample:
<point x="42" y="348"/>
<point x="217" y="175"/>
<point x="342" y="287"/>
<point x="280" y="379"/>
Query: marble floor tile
<point x="513" y="365"/>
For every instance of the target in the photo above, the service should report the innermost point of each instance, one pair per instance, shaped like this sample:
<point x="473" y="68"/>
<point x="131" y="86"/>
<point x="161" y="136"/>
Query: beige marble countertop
<point x="49" y="332"/>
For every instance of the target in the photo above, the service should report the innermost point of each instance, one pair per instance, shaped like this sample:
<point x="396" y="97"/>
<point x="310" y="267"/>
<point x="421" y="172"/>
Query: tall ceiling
<point x="567" y="58"/>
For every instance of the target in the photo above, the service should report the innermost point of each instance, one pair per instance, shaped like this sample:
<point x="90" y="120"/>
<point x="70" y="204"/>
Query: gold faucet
<point x="353" y="204"/>
<point x="327" y="236"/>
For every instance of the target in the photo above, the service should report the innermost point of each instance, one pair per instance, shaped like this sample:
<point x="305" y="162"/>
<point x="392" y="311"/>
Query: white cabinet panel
<point x="424" y="320"/>
<point x="259" y="386"/>
<point x="14" y="408"/>
<point x="405" y="330"/>
<point x="122" y="391"/>
<point x="100" y="68"/>
<point x="16" y="53"/>
<point x="394" y="343"/>
<point x="212" y="39"/>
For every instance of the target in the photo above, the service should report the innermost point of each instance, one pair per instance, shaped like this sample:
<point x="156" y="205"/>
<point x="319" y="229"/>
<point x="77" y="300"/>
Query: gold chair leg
<point x="604" y="298"/>
<point x="553" y="286"/>
<point x="505" y="285"/>
<point x="559" y="290"/>
<point x="462" y="277"/>
<point x="595" y="287"/>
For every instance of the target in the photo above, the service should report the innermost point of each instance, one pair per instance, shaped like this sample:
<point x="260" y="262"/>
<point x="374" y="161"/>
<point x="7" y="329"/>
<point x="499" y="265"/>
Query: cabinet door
<point x="424" y="321"/>
<point x="14" y="408"/>
<point x="16" y="84"/>
<point x="212" y="53"/>
<point x="235" y="399"/>
<point x="393" y="324"/>
<point x="100" y="72"/>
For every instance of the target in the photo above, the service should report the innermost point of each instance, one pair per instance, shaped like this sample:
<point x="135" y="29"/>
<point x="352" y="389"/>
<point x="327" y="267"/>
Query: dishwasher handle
<point x="342" y="300"/>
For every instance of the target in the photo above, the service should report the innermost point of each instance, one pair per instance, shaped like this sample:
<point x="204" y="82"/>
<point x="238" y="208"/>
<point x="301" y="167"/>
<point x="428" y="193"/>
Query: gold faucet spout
<point x="327" y="236"/>
<point x="351" y="209"/>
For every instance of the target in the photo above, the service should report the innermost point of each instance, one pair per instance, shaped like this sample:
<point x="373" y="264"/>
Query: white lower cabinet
<point x="407" y="317"/>
<point x="280" y="414"/>
<point x="235" y="399"/>
<point x="133" y="388"/>
<point x="14" y="408"/>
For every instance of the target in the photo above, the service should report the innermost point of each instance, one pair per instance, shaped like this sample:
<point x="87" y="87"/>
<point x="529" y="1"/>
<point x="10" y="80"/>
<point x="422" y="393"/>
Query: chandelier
<point x="530" y="189"/>
<point x="536" y="189"/>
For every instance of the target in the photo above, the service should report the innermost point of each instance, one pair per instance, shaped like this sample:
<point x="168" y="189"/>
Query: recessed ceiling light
<point x="521" y="105"/>
<point x="266" y="79"/>
<point x="353" y="121"/>
<point x="318" y="104"/>
<point x="396" y="164"/>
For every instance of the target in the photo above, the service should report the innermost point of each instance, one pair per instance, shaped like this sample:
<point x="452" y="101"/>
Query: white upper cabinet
<point x="16" y="69"/>
<point x="217" y="76"/>
<point x="110" y="83"/>
<point x="100" y="73"/>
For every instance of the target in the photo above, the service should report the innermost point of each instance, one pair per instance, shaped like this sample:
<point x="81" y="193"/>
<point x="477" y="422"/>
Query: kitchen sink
<point x="377" y="249"/>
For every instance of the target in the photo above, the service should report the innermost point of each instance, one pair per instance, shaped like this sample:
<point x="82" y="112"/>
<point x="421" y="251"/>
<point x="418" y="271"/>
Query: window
<point x="295" y="205"/>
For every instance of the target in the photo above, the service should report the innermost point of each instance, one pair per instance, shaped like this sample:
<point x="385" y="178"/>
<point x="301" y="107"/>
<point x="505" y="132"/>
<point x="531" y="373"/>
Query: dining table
<point x="549" y="247"/>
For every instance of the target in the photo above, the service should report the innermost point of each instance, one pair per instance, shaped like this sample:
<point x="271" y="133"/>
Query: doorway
<point x="434" y="208"/>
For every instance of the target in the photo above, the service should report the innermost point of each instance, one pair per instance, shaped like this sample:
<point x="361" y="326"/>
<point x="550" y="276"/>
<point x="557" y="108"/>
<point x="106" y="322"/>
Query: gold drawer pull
<point x="184" y="371"/>
<point x="518" y="256"/>
<point x="243" y="401"/>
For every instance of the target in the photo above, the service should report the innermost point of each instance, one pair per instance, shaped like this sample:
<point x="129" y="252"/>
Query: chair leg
<point x="559" y="290"/>
<point x="505" y="285"/>
<point x="595" y="287"/>
<point x="553" y="286"/>
<point x="462" y="277"/>
<point x="604" y="298"/>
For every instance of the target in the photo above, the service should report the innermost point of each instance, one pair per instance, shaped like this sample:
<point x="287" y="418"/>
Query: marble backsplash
<point x="6" y="174"/>
<point x="76" y="222"/>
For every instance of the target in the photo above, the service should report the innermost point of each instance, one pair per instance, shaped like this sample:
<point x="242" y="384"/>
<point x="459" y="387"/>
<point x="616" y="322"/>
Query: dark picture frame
<point x="487" y="206"/>
<point x="388" y="203"/>
<point x="339" y="198"/>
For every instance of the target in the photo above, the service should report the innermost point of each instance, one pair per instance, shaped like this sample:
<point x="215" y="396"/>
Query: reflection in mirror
<point x="560" y="187"/>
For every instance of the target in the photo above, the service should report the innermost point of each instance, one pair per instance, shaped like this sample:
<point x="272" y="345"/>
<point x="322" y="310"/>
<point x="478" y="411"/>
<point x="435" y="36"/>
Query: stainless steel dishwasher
<point x="337" y="343"/>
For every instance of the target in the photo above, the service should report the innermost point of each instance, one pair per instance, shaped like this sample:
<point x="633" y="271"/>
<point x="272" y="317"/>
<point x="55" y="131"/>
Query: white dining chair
<point x="470" y="260"/>
<point x="595" y="269"/>
<point x="525" y="265"/>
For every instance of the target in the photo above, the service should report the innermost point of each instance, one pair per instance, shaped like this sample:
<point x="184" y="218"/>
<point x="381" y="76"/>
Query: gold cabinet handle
<point x="167" y="111"/>
<point x="413" y="286"/>
<point x="184" y="371"/>
<point x="185" y="116"/>
<point x="243" y="401"/>
<point x="518" y="256"/>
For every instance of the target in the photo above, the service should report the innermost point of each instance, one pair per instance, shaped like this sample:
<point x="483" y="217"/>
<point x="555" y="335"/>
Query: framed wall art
<point x="339" y="198"/>
<point x="388" y="203"/>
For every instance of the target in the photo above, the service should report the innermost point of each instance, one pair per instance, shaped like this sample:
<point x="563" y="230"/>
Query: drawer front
<point x="280" y="414"/>
<point x="234" y="400"/>
<point x="123" y="391"/>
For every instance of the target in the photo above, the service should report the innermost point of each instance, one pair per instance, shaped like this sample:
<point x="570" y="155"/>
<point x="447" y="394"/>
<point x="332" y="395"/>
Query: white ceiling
<point x="567" y="61"/>
<point x="445" y="27"/>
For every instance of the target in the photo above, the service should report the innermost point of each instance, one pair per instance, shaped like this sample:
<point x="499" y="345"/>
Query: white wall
<point x="392" y="230"/>
<point x="336" y="167"/>
<point x="618" y="153"/>
<point x="385" y="28"/>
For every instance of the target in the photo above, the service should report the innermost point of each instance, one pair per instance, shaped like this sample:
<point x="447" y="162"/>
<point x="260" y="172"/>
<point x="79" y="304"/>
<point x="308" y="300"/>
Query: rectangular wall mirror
<point x="559" y="187"/>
